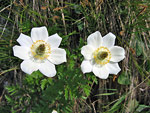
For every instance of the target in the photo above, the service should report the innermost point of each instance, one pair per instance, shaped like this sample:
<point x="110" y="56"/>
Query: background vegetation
<point x="70" y="91"/>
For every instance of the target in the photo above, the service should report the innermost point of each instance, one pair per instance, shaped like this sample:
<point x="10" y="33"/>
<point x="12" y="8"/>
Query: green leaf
<point x="84" y="97"/>
<point x="66" y="93"/>
<point x="141" y="108"/>
<point x="124" y="79"/>
<point x="116" y="105"/>
<point x="80" y="26"/>
<point x="147" y="65"/>
<point x="139" y="49"/>
<point x="9" y="99"/>
<point x="87" y="90"/>
<point x="43" y="83"/>
<point x="105" y="94"/>
<point x="111" y="89"/>
<point x="94" y="79"/>
<point x="70" y="94"/>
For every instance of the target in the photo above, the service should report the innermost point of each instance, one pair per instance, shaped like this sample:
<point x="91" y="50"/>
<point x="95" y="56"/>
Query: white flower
<point x="101" y="56"/>
<point x="54" y="111"/>
<point x="40" y="52"/>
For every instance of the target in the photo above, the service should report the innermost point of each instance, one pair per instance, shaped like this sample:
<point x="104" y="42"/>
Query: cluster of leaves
<point x="41" y="94"/>
<point x="137" y="29"/>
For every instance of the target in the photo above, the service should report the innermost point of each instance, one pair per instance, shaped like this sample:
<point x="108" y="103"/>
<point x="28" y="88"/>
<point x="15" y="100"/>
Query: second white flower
<point x="101" y="56"/>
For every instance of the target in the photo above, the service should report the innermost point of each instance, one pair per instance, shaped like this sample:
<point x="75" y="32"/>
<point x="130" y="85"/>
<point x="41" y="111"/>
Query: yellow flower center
<point x="40" y="50"/>
<point x="102" y="55"/>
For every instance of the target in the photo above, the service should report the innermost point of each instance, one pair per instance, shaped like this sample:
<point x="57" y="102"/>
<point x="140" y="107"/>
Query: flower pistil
<point x="40" y="50"/>
<point x="102" y="55"/>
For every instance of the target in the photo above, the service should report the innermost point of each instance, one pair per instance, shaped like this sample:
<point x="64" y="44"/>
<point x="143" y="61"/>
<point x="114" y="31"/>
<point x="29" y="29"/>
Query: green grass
<point x="74" y="21"/>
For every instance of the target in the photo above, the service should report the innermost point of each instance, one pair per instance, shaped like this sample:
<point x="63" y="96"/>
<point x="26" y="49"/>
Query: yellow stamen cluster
<point x="40" y="50"/>
<point x="102" y="55"/>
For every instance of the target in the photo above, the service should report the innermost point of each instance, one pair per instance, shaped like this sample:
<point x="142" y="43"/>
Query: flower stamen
<point x="40" y="50"/>
<point x="102" y="55"/>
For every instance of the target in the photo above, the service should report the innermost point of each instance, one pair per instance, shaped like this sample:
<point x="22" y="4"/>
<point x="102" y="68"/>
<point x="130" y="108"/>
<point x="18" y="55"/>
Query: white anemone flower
<point x="40" y="52"/>
<point x="101" y="56"/>
<point x="54" y="111"/>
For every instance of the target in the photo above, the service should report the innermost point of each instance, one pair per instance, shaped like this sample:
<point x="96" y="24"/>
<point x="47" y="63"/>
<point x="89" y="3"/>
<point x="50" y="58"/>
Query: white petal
<point x="57" y="56"/>
<point x="113" y="68"/>
<point x="54" y="111"/>
<point x="39" y="33"/>
<point x="101" y="71"/>
<point x="117" y="50"/>
<point x="24" y="40"/>
<point x="87" y="51"/>
<point x="109" y="40"/>
<point x="48" y="69"/>
<point x="86" y="66"/>
<point x="117" y="53"/>
<point x="95" y="40"/>
<point x="54" y="40"/>
<point x="21" y="52"/>
<point x="28" y="66"/>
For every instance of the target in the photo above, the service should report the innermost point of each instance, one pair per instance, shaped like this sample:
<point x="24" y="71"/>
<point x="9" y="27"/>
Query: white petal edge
<point x="113" y="68"/>
<point x="57" y="56"/>
<point x="21" y="52"/>
<point x="87" y="52"/>
<point x="109" y="40"/>
<point x="117" y="53"/>
<point x="101" y="71"/>
<point x="48" y="69"/>
<point x="25" y="40"/>
<point x="39" y="33"/>
<point x="95" y="39"/>
<point x="54" y="111"/>
<point x="54" y="40"/>
<point x="86" y="66"/>
<point x="28" y="66"/>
